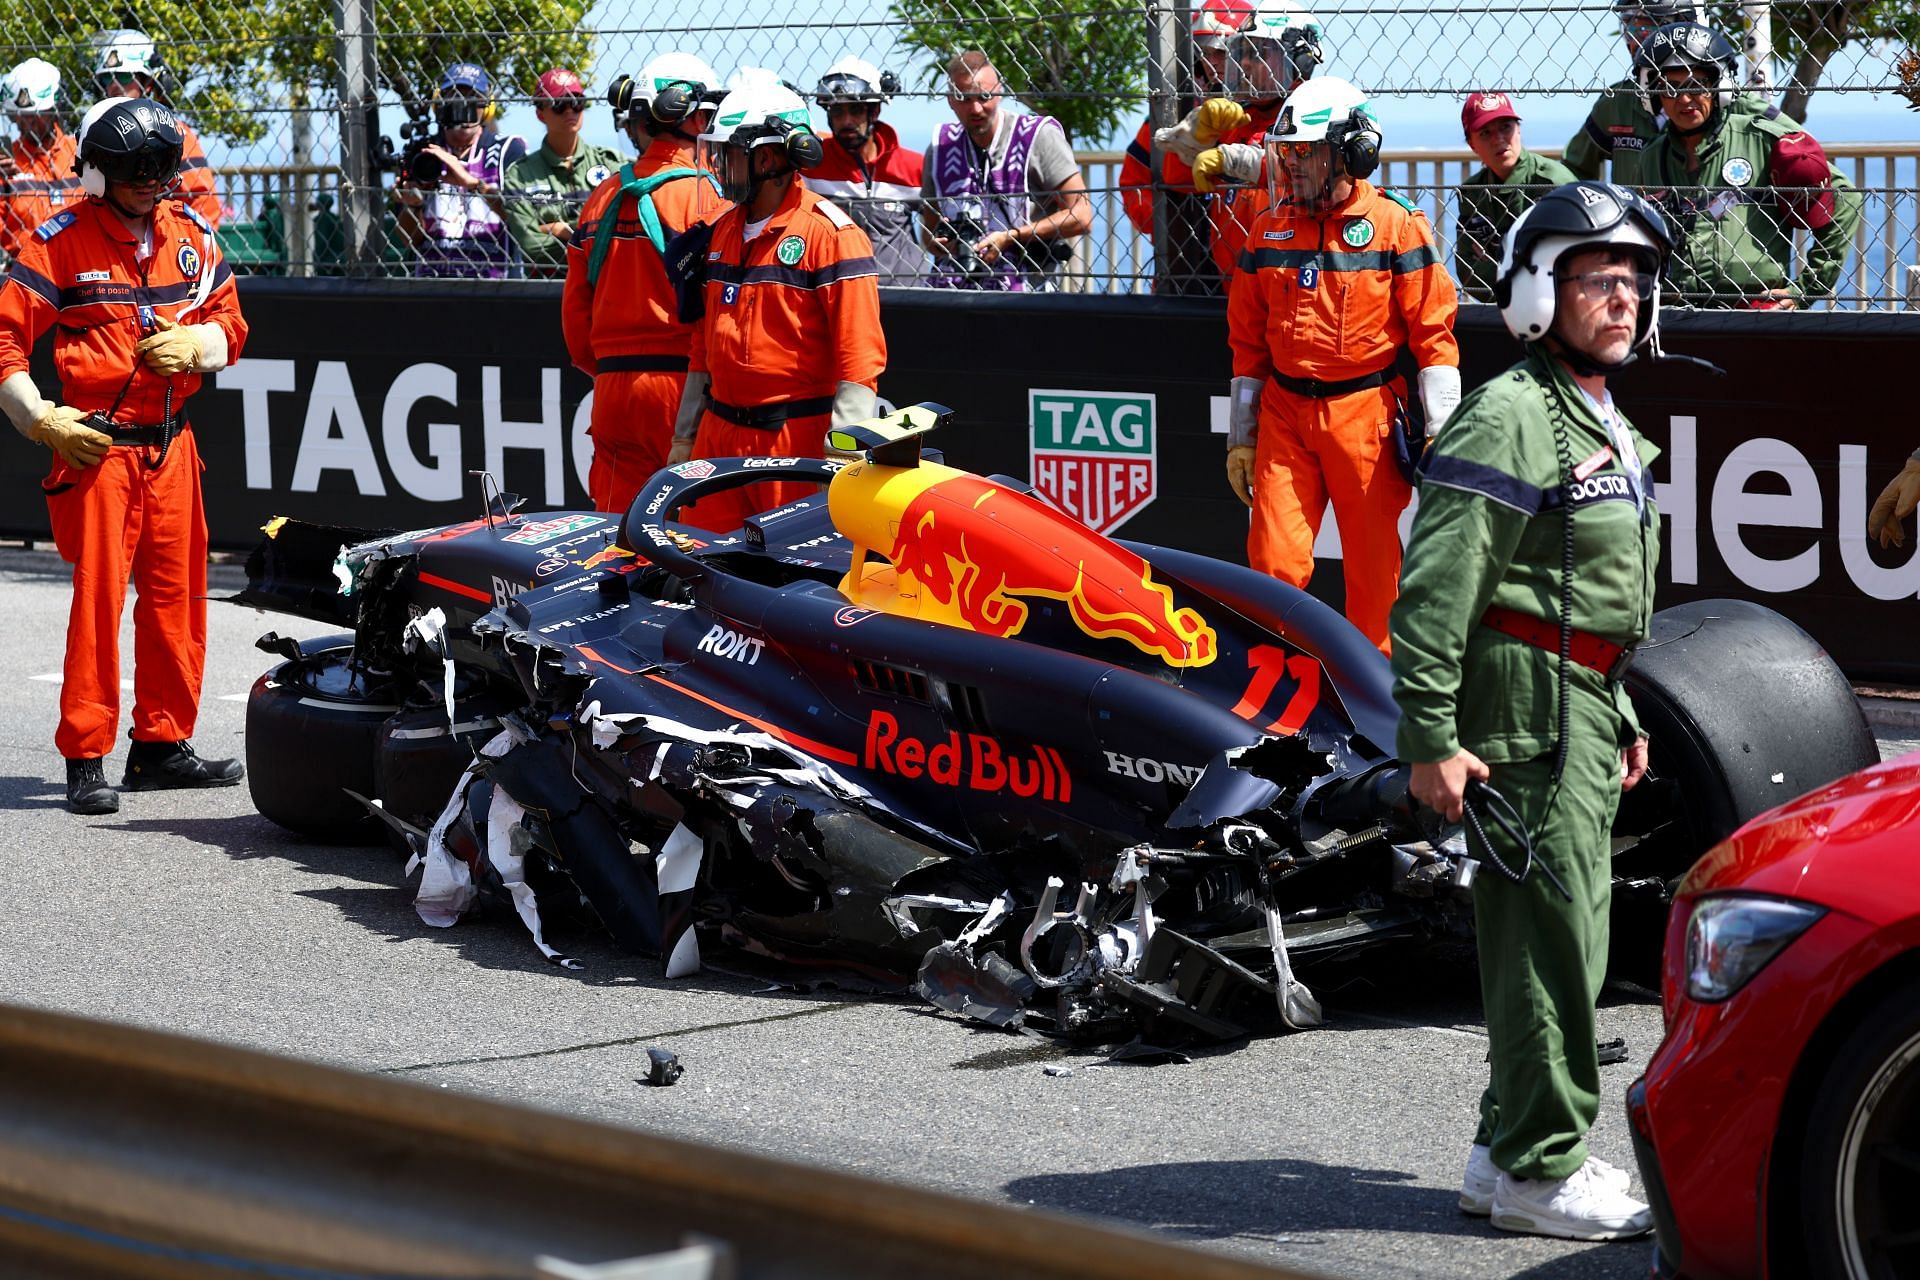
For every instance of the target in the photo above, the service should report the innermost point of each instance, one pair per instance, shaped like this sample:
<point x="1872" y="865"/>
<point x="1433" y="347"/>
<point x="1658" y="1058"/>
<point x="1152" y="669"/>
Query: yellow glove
<point x="1895" y="503"/>
<point x="1215" y="118"/>
<point x="60" y="428"/>
<point x="1230" y="162"/>
<point x="1240" y="471"/>
<point x="680" y="452"/>
<point x="169" y="349"/>
<point x="1206" y="170"/>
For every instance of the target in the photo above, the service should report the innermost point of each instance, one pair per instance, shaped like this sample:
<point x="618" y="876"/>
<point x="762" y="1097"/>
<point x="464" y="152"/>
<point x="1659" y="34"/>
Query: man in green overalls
<point x="1528" y="581"/>
<point x="1623" y="123"/>
<point x="1735" y="186"/>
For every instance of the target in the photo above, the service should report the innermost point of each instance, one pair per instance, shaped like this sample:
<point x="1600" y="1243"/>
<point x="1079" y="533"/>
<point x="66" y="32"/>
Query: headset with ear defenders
<point x="801" y="145"/>
<point x="1360" y="146"/>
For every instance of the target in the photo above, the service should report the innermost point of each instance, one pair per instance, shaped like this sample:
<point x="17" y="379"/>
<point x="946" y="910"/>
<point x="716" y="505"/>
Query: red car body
<point x="1718" y="1118"/>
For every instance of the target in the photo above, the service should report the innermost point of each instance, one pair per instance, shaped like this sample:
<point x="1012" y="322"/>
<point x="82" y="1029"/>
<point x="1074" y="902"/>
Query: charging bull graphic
<point x="971" y="553"/>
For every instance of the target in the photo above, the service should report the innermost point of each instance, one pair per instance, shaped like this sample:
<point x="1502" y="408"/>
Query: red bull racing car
<point x="924" y="730"/>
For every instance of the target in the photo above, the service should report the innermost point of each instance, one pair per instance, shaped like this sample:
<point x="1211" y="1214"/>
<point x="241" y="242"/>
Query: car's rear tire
<point x="1860" y="1176"/>
<point x="312" y="726"/>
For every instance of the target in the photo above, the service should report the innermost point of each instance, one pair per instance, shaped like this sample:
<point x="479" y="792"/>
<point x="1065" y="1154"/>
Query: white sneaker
<point x="1476" y="1185"/>
<point x="1585" y="1205"/>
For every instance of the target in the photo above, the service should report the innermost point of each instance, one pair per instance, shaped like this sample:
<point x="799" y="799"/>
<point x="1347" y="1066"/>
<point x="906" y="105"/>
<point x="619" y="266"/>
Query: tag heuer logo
<point x="1093" y="453"/>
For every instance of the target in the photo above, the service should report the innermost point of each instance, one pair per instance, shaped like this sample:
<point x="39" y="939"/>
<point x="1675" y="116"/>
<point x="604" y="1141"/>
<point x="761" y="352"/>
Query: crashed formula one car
<point x="922" y="729"/>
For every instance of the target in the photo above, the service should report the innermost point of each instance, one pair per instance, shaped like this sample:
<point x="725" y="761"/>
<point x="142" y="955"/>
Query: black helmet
<point x="127" y="140"/>
<point x="1568" y="220"/>
<point x="1686" y="46"/>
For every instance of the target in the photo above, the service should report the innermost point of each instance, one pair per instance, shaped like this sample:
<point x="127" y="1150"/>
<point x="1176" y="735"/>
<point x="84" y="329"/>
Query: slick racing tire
<point x="1859" y="1177"/>
<point x="312" y="726"/>
<point x="1743" y="711"/>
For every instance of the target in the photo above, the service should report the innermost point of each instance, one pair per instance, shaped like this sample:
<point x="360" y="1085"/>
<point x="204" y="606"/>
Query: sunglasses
<point x="119" y="79"/>
<point x="566" y="104"/>
<point x="1684" y="88"/>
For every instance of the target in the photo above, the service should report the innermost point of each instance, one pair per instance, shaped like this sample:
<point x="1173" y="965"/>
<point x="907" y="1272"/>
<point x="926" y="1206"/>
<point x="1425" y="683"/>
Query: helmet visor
<point x="731" y="164"/>
<point x="155" y="162"/>
<point x="1300" y="173"/>
<point x="1260" y="69"/>
<point x="842" y="87"/>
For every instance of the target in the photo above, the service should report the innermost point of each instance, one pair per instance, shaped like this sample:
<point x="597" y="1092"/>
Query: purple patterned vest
<point x="465" y="236"/>
<point x="1001" y="206"/>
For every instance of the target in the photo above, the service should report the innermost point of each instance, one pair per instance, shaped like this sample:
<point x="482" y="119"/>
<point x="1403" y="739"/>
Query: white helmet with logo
<point x="855" y="80"/>
<point x="32" y="88"/>
<point x="668" y="89"/>
<point x="756" y="116"/>
<point x="1328" y="112"/>
<point x="1275" y="50"/>
<point x="123" y="51"/>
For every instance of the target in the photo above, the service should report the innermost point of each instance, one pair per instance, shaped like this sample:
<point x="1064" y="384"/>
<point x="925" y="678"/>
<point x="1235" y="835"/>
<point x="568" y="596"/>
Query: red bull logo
<point x="976" y="550"/>
<point x="606" y="555"/>
<point x="974" y="761"/>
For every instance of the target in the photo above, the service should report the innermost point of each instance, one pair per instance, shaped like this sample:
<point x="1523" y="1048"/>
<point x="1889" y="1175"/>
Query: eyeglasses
<point x="1595" y="285"/>
<point x="566" y="104"/>
<point x="976" y="96"/>
<point x="1295" y="150"/>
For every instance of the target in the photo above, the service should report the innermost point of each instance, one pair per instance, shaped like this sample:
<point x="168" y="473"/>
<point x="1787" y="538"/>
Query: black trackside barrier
<point x="369" y="403"/>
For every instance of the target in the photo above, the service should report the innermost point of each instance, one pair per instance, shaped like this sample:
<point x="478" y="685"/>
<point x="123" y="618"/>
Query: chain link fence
<point x="312" y="112"/>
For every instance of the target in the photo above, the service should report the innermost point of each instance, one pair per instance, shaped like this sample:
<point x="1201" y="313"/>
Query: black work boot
<point x="155" y="766"/>
<point x="87" y="789"/>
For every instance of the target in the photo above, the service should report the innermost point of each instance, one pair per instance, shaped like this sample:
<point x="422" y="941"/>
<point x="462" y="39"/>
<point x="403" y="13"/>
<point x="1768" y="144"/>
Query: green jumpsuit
<point x="544" y="186"/>
<point x="1620" y="128"/>
<point x="1489" y="532"/>
<point x="1488" y="206"/>
<point x="1735" y="243"/>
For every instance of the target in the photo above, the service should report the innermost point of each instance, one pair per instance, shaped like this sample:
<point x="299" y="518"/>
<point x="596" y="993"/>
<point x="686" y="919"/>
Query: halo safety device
<point x="1274" y="51"/>
<point x="758" y="116"/>
<point x="32" y="88"/>
<point x="1568" y="220"/>
<point x="131" y="140"/>
<point x="1702" y="54"/>
<point x="464" y="96"/>
<point x="1331" y="112"/>
<point x="855" y="80"/>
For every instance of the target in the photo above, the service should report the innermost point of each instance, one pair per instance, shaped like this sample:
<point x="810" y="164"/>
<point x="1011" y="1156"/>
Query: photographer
<point x="455" y="179"/>
<point x="1003" y="196"/>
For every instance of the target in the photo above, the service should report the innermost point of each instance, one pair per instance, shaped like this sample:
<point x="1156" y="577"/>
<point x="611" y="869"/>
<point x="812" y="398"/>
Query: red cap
<point x="557" y="84"/>
<point x="1799" y="161"/>
<point x="1482" y="109"/>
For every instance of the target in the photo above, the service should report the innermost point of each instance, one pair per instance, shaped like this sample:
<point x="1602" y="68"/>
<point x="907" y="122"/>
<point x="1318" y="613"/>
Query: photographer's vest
<point x="452" y="213"/>
<point x="992" y="197"/>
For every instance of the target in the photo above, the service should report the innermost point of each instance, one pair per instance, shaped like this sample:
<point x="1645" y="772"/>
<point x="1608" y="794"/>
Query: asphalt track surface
<point x="1335" y="1152"/>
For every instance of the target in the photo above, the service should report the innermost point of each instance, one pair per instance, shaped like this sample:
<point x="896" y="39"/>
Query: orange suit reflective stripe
<point x="1136" y="179"/>
<point x="42" y="185"/>
<point x="631" y="312"/>
<point x="790" y="316"/>
<point x="136" y="512"/>
<point x="1331" y="299"/>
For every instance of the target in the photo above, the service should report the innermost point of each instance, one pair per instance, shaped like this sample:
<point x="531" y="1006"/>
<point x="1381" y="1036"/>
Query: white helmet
<point x="855" y="80"/>
<point x="1566" y="220"/>
<point x="758" y="116"/>
<point x="32" y="88"/>
<point x="1330" y="112"/>
<point x="755" y="78"/>
<point x="1275" y="50"/>
<point x="123" y="51"/>
<point x="668" y="89"/>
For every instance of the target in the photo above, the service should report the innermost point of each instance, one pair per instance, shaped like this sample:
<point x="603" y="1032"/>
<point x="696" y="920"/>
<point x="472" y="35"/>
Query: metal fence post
<point x="359" y="136"/>
<point x="299" y="209"/>
<point x="1163" y="81"/>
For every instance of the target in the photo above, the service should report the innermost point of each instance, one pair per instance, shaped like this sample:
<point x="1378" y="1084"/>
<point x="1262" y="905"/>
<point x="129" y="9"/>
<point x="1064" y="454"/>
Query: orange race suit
<point x="1136" y="178"/>
<point x="139" y="509"/>
<point x="43" y="184"/>
<point x="625" y="330"/>
<point x="1319" y="310"/>
<point x="196" y="176"/>
<point x="1234" y="207"/>
<point x="789" y="316"/>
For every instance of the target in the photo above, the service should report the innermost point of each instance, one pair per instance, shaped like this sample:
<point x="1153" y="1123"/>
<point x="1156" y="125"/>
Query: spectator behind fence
<point x="1214" y="21"/>
<point x="126" y="65"/>
<point x="455" y="180"/>
<point x="1622" y="124"/>
<point x="866" y="171"/>
<point x="1510" y="181"/>
<point x="1735" y="186"/>
<point x="36" y="171"/>
<point x="544" y="189"/>
<point x="1003" y="192"/>
<point x="1337" y="279"/>
<point x="619" y="310"/>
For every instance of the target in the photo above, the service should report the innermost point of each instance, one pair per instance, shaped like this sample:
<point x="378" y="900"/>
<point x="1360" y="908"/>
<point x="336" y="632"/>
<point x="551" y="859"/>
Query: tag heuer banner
<point x="1093" y="453"/>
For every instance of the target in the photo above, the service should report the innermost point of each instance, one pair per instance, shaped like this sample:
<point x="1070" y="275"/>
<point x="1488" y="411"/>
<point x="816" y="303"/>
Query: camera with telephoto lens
<point x="1025" y="255"/>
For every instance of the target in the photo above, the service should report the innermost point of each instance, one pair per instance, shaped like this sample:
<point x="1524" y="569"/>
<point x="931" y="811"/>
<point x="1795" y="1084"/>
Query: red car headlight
<point x="1730" y="939"/>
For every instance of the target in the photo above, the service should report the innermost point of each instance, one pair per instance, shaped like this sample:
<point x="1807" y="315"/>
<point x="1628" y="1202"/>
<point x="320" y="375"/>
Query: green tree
<point x="232" y="66"/>
<point x="1808" y="33"/>
<point x="1081" y="61"/>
